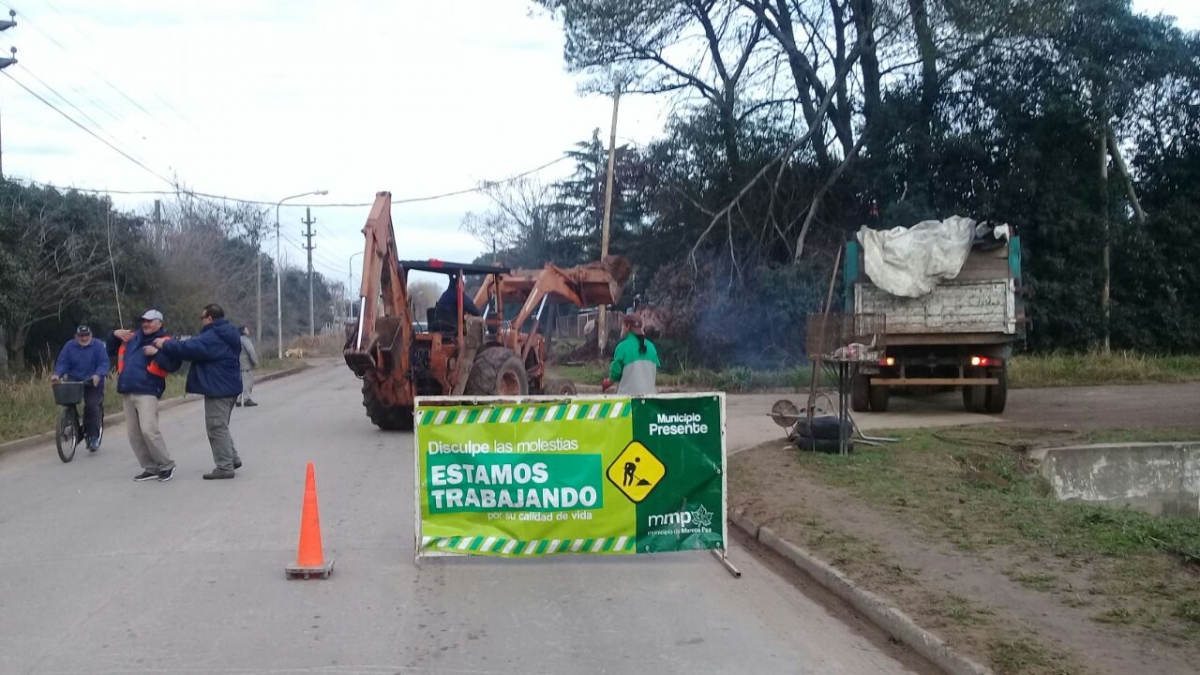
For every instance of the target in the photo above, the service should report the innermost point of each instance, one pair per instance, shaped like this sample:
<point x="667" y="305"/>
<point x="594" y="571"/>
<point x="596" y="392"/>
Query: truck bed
<point x="977" y="307"/>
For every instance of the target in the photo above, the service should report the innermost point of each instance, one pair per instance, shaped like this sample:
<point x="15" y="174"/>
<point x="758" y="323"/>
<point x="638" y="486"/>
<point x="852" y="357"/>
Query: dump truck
<point x="399" y="357"/>
<point x="960" y="333"/>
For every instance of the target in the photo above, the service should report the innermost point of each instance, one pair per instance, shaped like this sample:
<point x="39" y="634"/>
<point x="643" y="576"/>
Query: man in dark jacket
<point x="447" y="303"/>
<point x="85" y="360"/>
<point x="217" y="376"/>
<point x="141" y="381"/>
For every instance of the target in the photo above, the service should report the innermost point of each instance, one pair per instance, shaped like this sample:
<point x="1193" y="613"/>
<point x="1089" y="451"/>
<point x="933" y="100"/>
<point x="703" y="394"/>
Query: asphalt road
<point x="104" y="576"/>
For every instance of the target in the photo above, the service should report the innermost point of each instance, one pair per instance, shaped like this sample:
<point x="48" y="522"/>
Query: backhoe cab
<point x="458" y="354"/>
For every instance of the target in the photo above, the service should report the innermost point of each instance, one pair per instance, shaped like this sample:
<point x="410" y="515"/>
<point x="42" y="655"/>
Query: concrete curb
<point x="877" y="610"/>
<point x="117" y="418"/>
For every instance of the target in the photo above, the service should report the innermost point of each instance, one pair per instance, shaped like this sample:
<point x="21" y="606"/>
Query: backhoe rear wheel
<point x="497" y="371"/>
<point x="389" y="418"/>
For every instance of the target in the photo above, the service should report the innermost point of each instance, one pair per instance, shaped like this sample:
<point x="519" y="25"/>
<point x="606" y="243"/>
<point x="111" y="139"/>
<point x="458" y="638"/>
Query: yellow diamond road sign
<point x="636" y="471"/>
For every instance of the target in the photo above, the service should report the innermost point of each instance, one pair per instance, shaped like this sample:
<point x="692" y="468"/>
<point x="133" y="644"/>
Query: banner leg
<point x="724" y="560"/>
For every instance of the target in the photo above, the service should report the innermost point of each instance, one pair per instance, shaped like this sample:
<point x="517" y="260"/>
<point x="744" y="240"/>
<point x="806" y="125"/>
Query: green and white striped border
<point x="517" y="548"/>
<point x="518" y="414"/>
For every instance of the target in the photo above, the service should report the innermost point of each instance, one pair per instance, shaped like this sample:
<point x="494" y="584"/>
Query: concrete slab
<point x="1158" y="478"/>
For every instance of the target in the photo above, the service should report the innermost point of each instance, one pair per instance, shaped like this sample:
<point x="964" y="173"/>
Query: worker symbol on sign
<point x="631" y="475"/>
<point x="636" y="471"/>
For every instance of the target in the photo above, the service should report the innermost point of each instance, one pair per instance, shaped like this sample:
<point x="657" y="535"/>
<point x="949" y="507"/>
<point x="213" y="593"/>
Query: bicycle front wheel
<point x="67" y="433"/>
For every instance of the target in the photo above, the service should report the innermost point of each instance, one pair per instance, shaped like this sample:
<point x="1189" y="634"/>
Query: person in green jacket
<point x="635" y="362"/>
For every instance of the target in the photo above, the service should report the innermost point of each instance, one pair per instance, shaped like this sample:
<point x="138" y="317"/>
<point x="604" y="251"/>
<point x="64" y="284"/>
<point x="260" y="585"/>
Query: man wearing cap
<point x="217" y="376"/>
<point x="85" y="360"/>
<point x="141" y="381"/>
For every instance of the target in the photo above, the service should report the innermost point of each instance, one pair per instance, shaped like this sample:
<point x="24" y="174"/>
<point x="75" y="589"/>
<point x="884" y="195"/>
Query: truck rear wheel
<point x="386" y="417"/>
<point x="879" y="398"/>
<point x="860" y="393"/>
<point x="497" y="371"/>
<point x="997" y="394"/>
<point x="974" y="398"/>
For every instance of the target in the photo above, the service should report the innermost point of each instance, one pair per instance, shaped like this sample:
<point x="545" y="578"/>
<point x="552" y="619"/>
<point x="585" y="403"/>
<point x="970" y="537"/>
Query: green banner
<point x="544" y="476"/>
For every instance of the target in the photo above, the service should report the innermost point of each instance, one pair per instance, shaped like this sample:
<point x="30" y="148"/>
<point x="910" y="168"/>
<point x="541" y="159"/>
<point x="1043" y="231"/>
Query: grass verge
<point x="974" y="488"/>
<point x="27" y="405"/>
<point x="927" y="521"/>
<point x="1028" y="371"/>
<point x="733" y="380"/>
<point x="1097" y="368"/>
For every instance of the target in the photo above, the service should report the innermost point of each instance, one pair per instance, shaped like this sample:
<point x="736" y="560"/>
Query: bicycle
<point x="68" y="433"/>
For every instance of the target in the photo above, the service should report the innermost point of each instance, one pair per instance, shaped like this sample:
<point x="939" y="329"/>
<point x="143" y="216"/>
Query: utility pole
<point x="158" y="228"/>
<point x="4" y="63"/>
<point x="308" y="221"/>
<point x="602" y="319"/>
<point x="279" y="270"/>
<point x="258" y="256"/>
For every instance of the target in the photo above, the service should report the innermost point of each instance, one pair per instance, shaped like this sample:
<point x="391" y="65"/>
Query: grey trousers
<point x="216" y="422"/>
<point x="247" y="384"/>
<point x="141" y="421"/>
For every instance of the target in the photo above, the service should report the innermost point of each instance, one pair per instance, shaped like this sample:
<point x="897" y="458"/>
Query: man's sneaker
<point x="146" y="475"/>
<point x="93" y="445"/>
<point x="219" y="474"/>
<point x="237" y="404"/>
<point x="250" y="403"/>
<point x="237" y="463"/>
<point x="165" y="474"/>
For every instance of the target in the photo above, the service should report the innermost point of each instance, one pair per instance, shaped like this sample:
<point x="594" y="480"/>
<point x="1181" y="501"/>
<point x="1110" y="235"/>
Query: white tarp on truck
<point x="911" y="261"/>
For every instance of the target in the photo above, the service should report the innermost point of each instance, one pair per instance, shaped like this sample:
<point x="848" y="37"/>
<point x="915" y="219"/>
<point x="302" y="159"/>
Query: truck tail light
<point x="887" y="361"/>
<point x="985" y="361"/>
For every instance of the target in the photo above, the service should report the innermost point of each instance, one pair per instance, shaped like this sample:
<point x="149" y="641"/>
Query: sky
<point x="265" y="99"/>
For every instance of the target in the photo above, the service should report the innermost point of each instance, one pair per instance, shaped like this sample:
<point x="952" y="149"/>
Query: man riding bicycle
<point x="86" y="360"/>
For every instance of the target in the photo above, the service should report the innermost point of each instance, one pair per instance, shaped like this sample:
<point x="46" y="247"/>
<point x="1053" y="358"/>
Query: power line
<point x="91" y="133"/>
<point x="64" y="99"/>
<point x="25" y="21"/>
<point x="257" y="202"/>
<point x="93" y="71"/>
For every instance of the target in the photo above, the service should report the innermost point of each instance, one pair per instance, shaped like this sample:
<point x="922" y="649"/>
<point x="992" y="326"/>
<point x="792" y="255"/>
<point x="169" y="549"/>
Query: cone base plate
<point x="322" y="572"/>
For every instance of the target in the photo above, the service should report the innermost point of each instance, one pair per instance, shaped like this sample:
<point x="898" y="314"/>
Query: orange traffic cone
<point x="310" y="561"/>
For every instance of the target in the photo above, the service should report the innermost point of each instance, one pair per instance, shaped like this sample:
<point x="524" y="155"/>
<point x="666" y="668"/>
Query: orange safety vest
<point x="153" y="368"/>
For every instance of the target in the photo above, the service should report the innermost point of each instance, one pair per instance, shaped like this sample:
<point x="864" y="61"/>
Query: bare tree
<point x="55" y="268"/>
<point x="699" y="51"/>
<point x="522" y="220"/>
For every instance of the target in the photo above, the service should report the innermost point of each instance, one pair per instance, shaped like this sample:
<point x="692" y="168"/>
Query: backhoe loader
<point x="457" y="353"/>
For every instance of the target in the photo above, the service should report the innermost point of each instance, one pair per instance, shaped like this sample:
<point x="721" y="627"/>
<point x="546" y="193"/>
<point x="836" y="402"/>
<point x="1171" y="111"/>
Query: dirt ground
<point x="1017" y="612"/>
<point x="1128" y="407"/>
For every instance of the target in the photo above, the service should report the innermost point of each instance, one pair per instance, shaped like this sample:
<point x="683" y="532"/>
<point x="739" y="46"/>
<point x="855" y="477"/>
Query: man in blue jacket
<point x="141" y="380"/>
<point x="85" y="360"/>
<point x="216" y="374"/>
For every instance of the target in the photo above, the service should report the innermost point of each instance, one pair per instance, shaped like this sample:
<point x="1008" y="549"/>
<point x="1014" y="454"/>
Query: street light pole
<point x="279" y="270"/>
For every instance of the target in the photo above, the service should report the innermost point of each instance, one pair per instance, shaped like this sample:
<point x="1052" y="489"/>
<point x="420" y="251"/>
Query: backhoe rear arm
<point x="381" y="280"/>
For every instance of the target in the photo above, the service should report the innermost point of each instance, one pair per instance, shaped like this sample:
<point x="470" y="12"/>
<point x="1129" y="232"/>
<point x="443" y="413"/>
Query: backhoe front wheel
<point x="497" y="371"/>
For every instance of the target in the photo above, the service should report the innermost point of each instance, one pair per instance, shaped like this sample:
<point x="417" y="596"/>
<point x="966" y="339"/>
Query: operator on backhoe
<point x="447" y="305"/>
